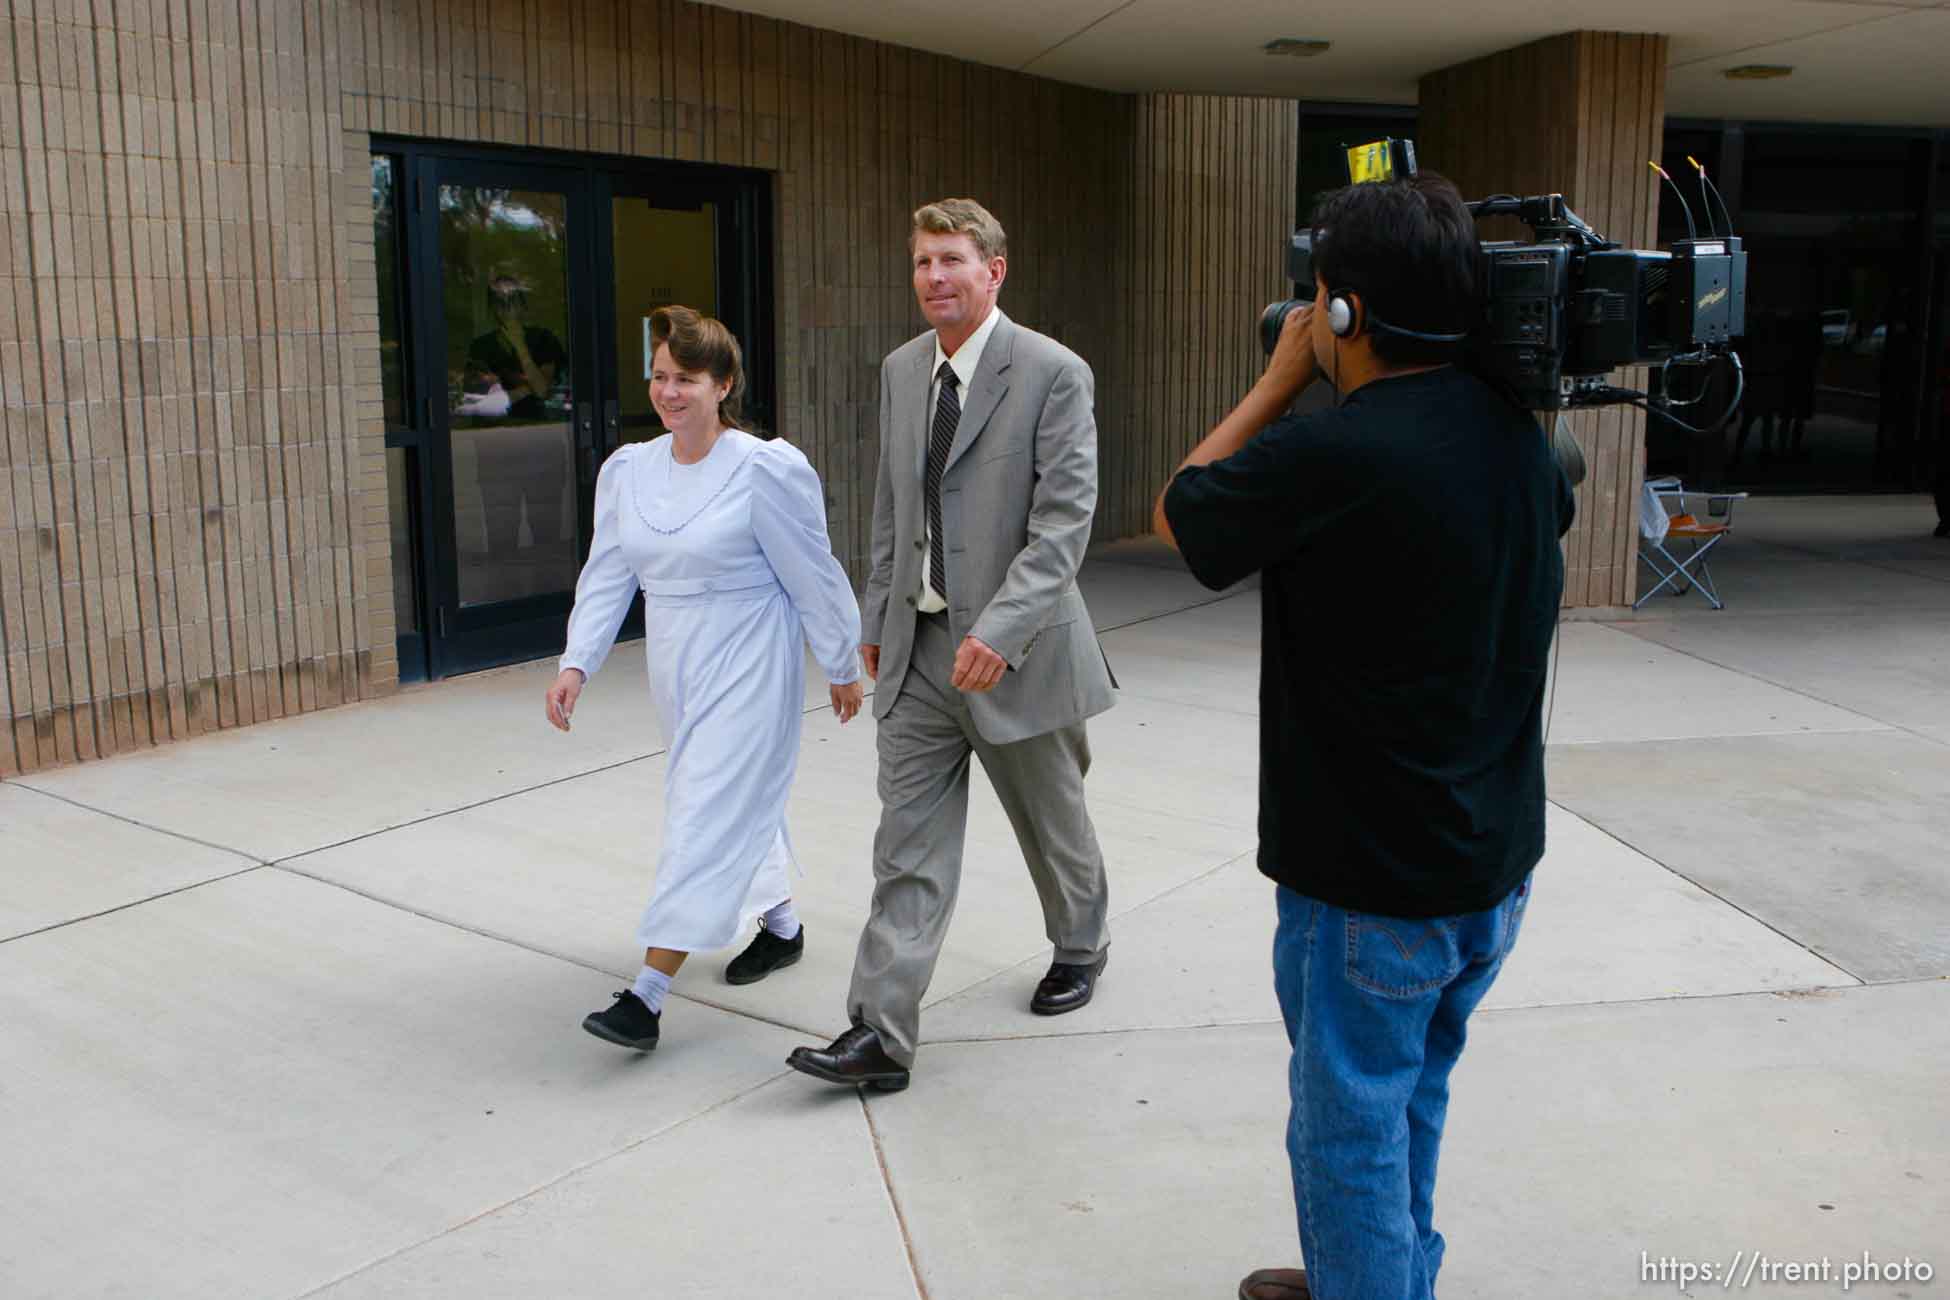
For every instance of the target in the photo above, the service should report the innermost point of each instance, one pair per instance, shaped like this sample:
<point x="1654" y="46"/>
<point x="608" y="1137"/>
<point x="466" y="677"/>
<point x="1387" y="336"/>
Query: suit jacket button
<point x="920" y="545"/>
<point x="910" y="600"/>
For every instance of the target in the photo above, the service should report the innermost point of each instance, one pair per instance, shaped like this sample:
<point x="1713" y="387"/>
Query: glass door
<point x="509" y="332"/>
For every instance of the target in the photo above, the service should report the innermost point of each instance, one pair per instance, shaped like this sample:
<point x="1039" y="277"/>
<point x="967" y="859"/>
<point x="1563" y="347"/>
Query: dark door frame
<point x="450" y="638"/>
<point x="460" y="638"/>
<point x="744" y="238"/>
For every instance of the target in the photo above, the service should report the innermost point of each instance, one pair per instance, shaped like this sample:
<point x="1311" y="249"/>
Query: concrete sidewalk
<point x="293" y="1010"/>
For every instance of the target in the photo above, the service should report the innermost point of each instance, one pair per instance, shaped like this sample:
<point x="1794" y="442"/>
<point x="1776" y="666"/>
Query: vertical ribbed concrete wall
<point x="1578" y="114"/>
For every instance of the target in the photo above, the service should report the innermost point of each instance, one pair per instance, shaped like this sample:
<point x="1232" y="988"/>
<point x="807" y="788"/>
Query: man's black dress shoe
<point x="1067" y="987"/>
<point x="856" y="1056"/>
<point x="629" y="1022"/>
<point x="766" y="954"/>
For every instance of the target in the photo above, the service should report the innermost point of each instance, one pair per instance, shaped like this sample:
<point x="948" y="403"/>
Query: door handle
<point x="586" y="438"/>
<point x="612" y="424"/>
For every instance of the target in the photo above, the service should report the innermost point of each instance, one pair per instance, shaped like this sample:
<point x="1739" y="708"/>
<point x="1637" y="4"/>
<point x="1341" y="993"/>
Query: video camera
<point x="1562" y="311"/>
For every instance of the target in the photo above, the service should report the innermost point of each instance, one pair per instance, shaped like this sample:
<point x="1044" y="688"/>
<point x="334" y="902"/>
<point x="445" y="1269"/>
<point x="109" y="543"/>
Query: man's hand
<point x="977" y="667"/>
<point x="870" y="660"/>
<point x="846" y="700"/>
<point x="1289" y="371"/>
<point x="561" y="698"/>
<point x="516" y="336"/>
<point x="493" y="404"/>
<point x="1293" y="366"/>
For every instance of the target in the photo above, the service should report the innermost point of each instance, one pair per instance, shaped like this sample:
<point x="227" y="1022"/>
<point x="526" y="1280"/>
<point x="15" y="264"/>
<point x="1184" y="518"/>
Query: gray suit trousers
<point x="925" y="741"/>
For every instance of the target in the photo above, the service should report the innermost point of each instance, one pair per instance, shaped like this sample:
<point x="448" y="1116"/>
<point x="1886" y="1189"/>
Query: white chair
<point x="1666" y="519"/>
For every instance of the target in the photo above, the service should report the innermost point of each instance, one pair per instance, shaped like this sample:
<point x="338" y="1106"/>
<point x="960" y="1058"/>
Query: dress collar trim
<point x="666" y="512"/>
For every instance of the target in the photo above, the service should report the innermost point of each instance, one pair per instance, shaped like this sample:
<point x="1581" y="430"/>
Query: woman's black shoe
<point x="629" y="1022"/>
<point x="767" y="953"/>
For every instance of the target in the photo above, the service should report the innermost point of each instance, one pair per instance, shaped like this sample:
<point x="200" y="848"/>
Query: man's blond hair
<point x="962" y="217"/>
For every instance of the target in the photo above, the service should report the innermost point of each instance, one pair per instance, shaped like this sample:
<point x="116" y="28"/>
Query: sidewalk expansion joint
<point x="1833" y="558"/>
<point x="1047" y="1035"/>
<point x="1791" y="991"/>
<point x="893" y="1197"/>
<point x="1036" y="957"/>
<point x="1710" y="892"/>
<point x="1202" y="707"/>
<point x="133" y="903"/>
<point x="1267" y="1022"/>
<point x="495" y="936"/>
<point x="252" y="858"/>
<point x="1881" y="723"/>
<point x="546" y="1184"/>
<point x="468" y="807"/>
<point x="1870" y="727"/>
<point x="1220" y="599"/>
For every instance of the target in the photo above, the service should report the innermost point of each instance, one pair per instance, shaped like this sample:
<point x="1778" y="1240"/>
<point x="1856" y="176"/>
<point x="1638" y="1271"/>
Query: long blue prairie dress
<point x="738" y="577"/>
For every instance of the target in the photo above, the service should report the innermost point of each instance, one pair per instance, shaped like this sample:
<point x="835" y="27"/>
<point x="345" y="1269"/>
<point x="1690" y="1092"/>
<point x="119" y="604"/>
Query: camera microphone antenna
<point x="1692" y="231"/>
<point x="1706" y="200"/>
<point x="1708" y="187"/>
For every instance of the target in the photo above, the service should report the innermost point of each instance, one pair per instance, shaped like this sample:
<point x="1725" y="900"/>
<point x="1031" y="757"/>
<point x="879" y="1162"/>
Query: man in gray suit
<point x="978" y="638"/>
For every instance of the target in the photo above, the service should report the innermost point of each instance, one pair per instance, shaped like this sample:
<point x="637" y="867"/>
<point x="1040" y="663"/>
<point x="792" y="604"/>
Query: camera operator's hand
<point x="1289" y="371"/>
<point x="1293" y="366"/>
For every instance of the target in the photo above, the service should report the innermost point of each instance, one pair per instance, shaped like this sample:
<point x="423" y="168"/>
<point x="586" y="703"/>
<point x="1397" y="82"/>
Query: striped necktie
<point x="947" y="414"/>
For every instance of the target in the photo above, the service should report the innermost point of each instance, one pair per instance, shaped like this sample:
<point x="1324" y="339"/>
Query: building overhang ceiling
<point x="1859" y="61"/>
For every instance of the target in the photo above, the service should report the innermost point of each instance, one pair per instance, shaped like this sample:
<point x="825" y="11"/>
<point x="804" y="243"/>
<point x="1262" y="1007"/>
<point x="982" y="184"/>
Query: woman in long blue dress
<point x="725" y="534"/>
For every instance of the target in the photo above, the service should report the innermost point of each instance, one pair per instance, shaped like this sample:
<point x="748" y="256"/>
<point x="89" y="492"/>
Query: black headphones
<point x="1340" y="320"/>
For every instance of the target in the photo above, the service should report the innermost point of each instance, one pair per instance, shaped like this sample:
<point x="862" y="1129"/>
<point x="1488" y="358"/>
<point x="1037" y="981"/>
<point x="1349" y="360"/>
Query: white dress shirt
<point x="967" y="357"/>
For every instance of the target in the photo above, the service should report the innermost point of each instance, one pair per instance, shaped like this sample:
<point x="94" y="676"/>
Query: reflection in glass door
<point x="504" y="256"/>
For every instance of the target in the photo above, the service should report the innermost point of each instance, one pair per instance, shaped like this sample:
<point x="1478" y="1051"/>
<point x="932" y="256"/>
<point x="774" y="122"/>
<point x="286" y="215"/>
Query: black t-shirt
<point x="492" y="355"/>
<point x="1409" y="544"/>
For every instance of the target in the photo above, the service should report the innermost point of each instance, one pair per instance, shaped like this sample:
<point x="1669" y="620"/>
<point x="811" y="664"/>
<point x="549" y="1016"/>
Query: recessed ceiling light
<point x="1296" y="47"/>
<point x="1758" y="72"/>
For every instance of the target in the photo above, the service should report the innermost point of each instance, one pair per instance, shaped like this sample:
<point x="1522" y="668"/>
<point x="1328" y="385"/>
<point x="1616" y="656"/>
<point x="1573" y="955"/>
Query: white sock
<point x="651" y="985"/>
<point x="783" y="920"/>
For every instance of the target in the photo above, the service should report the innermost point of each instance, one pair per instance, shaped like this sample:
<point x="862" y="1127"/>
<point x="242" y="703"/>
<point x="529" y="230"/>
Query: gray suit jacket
<point x="1017" y="499"/>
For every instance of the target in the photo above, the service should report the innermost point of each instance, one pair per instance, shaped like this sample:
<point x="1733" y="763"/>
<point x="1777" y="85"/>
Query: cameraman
<point x="1408" y="539"/>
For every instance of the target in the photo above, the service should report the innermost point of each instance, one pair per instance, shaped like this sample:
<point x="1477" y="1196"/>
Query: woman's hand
<point x="561" y="697"/>
<point x="846" y="700"/>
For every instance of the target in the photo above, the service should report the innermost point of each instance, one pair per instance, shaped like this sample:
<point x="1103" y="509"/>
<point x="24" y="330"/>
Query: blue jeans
<point x="1375" y="1008"/>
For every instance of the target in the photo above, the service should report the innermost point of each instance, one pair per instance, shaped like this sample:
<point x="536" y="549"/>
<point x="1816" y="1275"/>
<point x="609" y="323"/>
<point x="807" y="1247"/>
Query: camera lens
<point x="1273" y="320"/>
